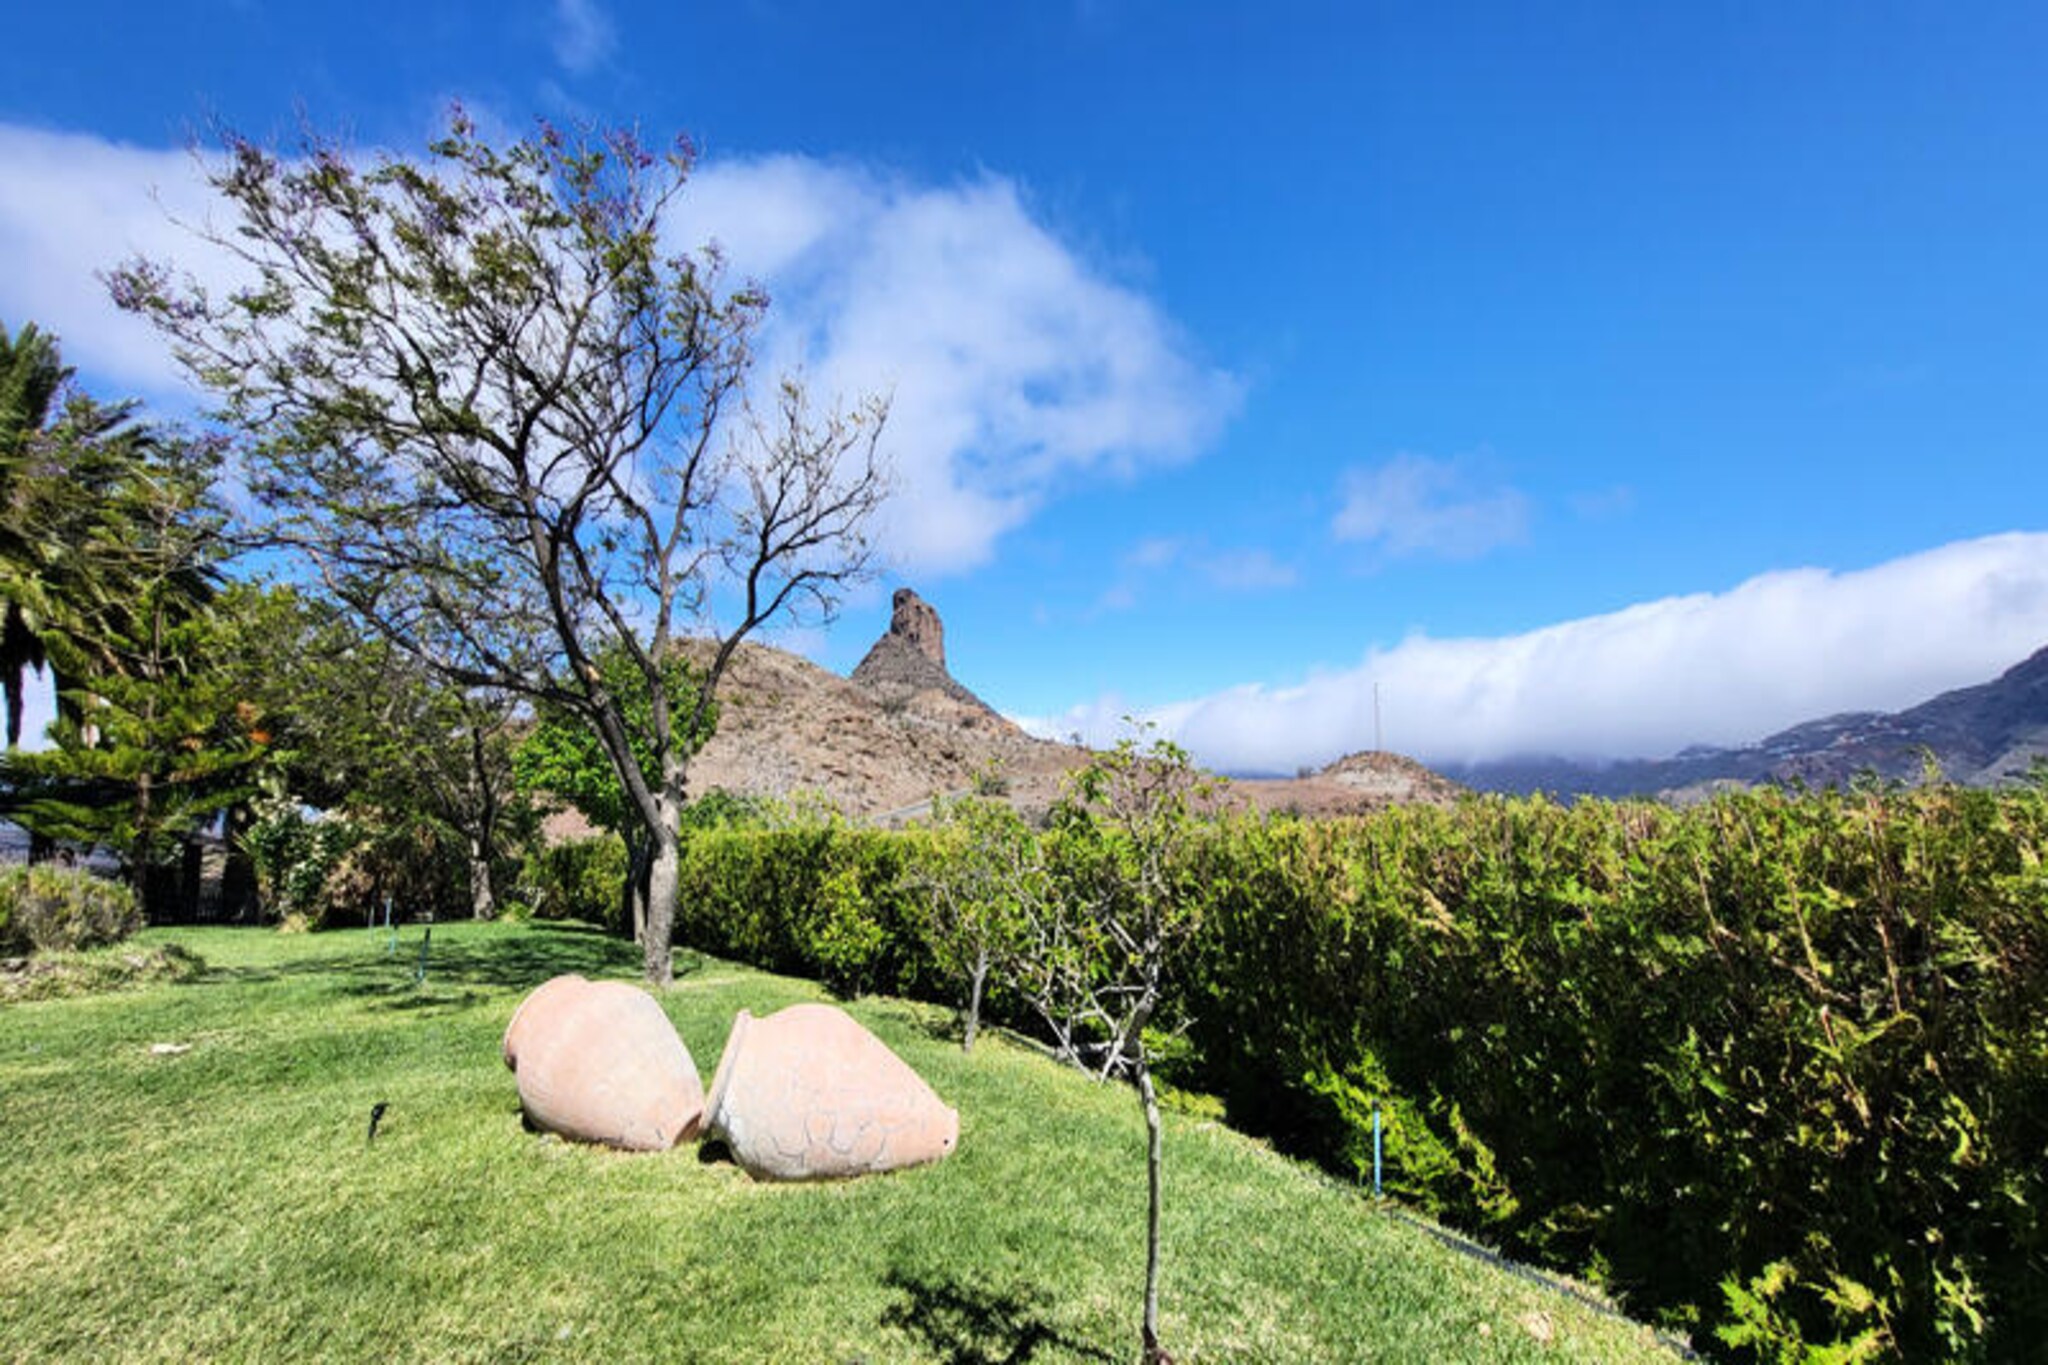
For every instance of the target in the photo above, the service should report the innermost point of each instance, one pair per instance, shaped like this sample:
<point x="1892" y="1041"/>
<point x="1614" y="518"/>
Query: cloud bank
<point x="1014" y="366"/>
<point x="1715" y="668"/>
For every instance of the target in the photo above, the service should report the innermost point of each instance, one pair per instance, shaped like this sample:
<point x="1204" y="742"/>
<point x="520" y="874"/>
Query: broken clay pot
<point x="808" y="1094"/>
<point x="599" y="1061"/>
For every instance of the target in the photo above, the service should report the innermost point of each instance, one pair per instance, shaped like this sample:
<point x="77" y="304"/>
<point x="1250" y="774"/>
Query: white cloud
<point x="1247" y="571"/>
<point x="1156" y="552"/>
<point x="584" y="35"/>
<point x="1011" y="365"/>
<point x="1717" y="668"/>
<point x="1413" y="505"/>
<point x="1014" y="367"/>
<point x="73" y="205"/>
<point x="1242" y="570"/>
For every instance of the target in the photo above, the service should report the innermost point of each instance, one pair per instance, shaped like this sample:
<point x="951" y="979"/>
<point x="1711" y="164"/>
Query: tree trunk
<point x="633" y="891"/>
<point x="238" y="876"/>
<point x="1154" y="1151"/>
<point x="138" y="851"/>
<point x="664" y="872"/>
<point x="975" y="979"/>
<point x="191" y="878"/>
<point x="483" y="898"/>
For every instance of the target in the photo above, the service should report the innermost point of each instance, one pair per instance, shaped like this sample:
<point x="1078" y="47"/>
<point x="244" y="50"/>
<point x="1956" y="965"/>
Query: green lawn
<point x="223" y="1203"/>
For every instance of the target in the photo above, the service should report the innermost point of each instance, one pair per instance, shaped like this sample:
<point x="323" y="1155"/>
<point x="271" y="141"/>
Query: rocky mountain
<point x="880" y="743"/>
<point x="909" y="661"/>
<point x="1353" y="785"/>
<point x="1980" y="736"/>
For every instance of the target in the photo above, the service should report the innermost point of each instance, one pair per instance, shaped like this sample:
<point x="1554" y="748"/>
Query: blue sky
<point x="1594" y="378"/>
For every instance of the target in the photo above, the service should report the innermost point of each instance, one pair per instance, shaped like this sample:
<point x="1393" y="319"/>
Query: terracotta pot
<point x="808" y="1094"/>
<point x="599" y="1061"/>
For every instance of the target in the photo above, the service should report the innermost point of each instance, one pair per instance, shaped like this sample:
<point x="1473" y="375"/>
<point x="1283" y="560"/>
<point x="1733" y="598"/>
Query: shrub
<point x="1775" y="1065"/>
<point x="293" y="857"/>
<point x="54" y="909"/>
<point x="810" y="897"/>
<point x="582" y="879"/>
<point x="1771" y="1060"/>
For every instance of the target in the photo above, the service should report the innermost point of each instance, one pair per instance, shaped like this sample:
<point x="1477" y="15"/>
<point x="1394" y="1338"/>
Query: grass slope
<point x="223" y="1203"/>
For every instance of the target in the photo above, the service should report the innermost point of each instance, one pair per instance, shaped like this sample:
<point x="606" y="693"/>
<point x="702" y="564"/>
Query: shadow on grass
<point x="964" y="1325"/>
<point x="1486" y="1255"/>
<point x="424" y="1000"/>
<point x="518" y="962"/>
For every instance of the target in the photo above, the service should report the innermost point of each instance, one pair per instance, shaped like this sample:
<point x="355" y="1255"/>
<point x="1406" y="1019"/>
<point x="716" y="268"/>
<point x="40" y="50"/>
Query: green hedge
<point x="1776" y="1065"/>
<point x="817" y="899"/>
<point x="56" y="909"/>
<point x="580" y="879"/>
<point x="1676" y="1048"/>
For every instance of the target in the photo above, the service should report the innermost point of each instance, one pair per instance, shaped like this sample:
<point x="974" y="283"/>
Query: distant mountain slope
<point x="877" y="745"/>
<point x="1980" y="736"/>
<point x="1353" y="785"/>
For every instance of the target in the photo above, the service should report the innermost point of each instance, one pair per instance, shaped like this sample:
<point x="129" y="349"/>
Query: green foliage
<point x="977" y="873"/>
<point x="1120" y="906"/>
<point x="1672" y="1048"/>
<point x="816" y="898"/>
<point x="721" y="809"/>
<point x="121" y="544"/>
<point x="294" y="854"/>
<point x="845" y="938"/>
<point x="1681" y="1046"/>
<point x="562" y="756"/>
<point x="581" y="879"/>
<point x="488" y="411"/>
<point x="356" y="727"/>
<point x="334" y="870"/>
<point x="31" y="377"/>
<point x="46" y="909"/>
<point x="1759" y="1322"/>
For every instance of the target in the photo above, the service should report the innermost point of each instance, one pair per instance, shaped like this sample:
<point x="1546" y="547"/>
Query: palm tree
<point x="31" y="376"/>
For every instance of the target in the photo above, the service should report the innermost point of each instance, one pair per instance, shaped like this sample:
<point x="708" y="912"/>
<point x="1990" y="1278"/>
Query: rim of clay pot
<point x="722" y="1077"/>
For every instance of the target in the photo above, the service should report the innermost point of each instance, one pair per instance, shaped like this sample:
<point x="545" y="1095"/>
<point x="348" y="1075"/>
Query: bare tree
<point x="501" y="423"/>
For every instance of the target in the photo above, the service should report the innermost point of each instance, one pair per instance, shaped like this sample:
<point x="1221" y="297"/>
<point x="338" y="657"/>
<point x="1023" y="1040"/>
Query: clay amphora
<point x="808" y="1094"/>
<point x="599" y="1061"/>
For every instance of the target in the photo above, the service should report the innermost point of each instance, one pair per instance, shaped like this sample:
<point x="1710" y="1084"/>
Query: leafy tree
<point x="563" y="757"/>
<point x="359" y="727"/>
<point x="1117" y="912"/>
<point x="982" y="871"/>
<point x="148" y="741"/>
<point x="509" y="430"/>
<point x="31" y="376"/>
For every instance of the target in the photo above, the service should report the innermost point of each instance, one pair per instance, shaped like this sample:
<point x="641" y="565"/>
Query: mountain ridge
<point x="879" y="743"/>
<point x="1979" y="735"/>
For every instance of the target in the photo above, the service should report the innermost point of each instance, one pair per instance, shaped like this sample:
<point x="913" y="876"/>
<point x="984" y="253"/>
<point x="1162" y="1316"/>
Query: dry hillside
<point x="880" y="744"/>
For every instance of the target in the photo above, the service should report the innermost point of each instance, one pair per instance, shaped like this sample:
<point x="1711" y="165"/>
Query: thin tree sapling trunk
<point x="1154" y="1161"/>
<point x="975" y="980"/>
